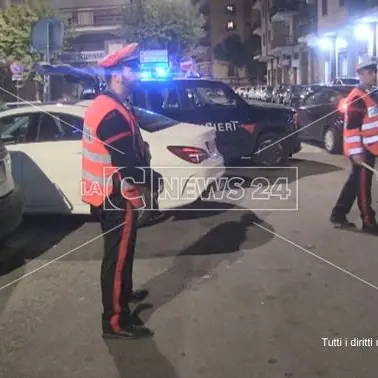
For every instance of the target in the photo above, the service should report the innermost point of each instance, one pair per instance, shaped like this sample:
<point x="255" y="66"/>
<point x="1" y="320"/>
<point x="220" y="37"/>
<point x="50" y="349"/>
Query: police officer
<point x="360" y="145"/>
<point x="113" y="150"/>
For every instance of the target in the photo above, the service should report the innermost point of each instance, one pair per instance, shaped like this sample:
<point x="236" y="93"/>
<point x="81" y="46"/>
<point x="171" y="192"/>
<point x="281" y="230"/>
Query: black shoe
<point x="341" y="221"/>
<point x="370" y="228"/>
<point x="138" y="295"/>
<point x="130" y="332"/>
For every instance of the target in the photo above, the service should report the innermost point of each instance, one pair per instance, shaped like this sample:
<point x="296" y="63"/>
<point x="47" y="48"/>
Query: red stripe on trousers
<point x="363" y="195"/>
<point x="118" y="137"/>
<point x="121" y="258"/>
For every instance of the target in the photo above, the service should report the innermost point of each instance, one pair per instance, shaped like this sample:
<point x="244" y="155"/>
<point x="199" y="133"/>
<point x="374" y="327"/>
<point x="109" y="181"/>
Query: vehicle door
<point x="59" y="154"/>
<point x="17" y="131"/>
<point x="52" y="163"/>
<point x="213" y="105"/>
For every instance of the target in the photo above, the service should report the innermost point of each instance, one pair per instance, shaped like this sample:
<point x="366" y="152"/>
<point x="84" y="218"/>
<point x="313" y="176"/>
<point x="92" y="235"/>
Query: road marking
<point x="318" y="257"/>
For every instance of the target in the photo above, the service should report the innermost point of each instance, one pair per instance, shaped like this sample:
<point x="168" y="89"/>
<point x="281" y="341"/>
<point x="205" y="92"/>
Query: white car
<point x="10" y="196"/>
<point x="45" y="144"/>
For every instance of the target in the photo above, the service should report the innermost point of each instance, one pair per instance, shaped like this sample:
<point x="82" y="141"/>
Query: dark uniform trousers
<point x="119" y="224"/>
<point x="357" y="186"/>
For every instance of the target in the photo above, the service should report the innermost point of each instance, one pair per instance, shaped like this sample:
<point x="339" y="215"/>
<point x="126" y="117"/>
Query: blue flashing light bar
<point x="154" y="71"/>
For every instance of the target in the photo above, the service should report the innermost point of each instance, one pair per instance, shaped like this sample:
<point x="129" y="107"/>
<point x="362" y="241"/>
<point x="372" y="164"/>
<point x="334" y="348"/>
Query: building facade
<point x="347" y="30"/>
<point x="96" y="29"/>
<point x="224" y="18"/>
<point x="284" y="28"/>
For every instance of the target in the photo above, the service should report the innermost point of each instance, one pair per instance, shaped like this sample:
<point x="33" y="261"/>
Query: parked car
<point x="10" y="195"/>
<point x="46" y="144"/>
<point x="321" y="116"/>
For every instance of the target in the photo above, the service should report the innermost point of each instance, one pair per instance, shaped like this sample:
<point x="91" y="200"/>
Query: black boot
<point x="129" y="329"/>
<point x="138" y="295"/>
<point x="341" y="221"/>
<point x="370" y="228"/>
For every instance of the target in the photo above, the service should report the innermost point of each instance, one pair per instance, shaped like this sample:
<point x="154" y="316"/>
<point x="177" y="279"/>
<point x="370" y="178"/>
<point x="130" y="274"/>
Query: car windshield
<point x="210" y="94"/>
<point x="152" y="122"/>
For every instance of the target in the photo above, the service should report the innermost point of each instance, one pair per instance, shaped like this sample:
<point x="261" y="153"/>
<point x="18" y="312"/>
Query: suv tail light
<point x="249" y="127"/>
<point x="193" y="155"/>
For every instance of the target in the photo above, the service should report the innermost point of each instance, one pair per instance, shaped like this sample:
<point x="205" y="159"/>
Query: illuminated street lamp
<point x="362" y="32"/>
<point x="341" y="43"/>
<point x="325" y="44"/>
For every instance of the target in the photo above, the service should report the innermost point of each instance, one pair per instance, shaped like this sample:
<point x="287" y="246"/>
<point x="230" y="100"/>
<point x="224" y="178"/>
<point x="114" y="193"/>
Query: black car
<point x="321" y="116"/>
<point x="242" y="128"/>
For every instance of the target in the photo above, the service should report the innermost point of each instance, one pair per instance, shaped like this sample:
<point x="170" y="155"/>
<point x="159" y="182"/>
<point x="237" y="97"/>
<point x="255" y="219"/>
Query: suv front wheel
<point x="272" y="151"/>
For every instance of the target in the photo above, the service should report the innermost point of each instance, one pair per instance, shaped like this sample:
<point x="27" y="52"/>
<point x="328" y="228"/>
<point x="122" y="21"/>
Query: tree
<point x="231" y="51"/>
<point x="175" y="25"/>
<point x="255" y="70"/>
<point x="16" y="23"/>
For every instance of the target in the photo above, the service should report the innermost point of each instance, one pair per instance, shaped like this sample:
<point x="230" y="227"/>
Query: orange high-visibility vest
<point x="97" y="168"/>
<point x="366" y="138"/>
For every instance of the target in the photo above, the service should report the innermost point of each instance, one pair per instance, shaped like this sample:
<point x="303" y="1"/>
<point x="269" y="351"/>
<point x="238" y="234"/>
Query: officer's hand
<point x="358" y="159"/>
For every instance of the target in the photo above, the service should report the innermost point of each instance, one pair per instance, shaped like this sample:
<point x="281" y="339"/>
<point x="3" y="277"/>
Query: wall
<point x="335" y="17"/>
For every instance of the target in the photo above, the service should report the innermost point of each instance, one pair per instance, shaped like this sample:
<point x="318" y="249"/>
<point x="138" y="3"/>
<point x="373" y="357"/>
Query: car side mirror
<point x="7" y="138"/>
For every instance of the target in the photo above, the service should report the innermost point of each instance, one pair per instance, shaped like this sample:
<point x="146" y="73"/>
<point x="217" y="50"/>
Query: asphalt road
<point x="235" y="292"/>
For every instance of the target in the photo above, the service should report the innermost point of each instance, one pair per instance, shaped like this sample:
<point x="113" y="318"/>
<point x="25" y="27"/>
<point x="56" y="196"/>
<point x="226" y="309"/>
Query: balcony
<point x="284" y="10"/>
<point x="304" y="30"/>
<point x="281" y="44"/>
<point x="94" y="18"/>
<point x="256" y="28"/>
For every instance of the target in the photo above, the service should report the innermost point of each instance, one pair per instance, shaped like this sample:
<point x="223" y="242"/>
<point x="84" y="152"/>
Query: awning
<point x="86" y="75"/>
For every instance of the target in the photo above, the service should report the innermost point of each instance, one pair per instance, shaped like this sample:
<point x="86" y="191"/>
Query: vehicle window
<point x="332" y="97"/>
<point x="71" y="126"/>
<point x="153" y="122"/>
<point x="48" y="129"/>
<point x="204" y="96"/>
<point x="315" y="99"/>
<point x="18" y="128"/>
<point x="160" y="99"/>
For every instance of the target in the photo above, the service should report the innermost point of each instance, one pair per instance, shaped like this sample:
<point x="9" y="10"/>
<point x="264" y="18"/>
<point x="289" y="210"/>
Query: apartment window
<point x="324" y="7"/>
<point x="269" y="35"/>
<point x="231" y="25"/>
<point x="230" y="8"/>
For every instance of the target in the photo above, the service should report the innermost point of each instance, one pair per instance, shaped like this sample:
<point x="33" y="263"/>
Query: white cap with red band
<point x="367" y="62"/>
